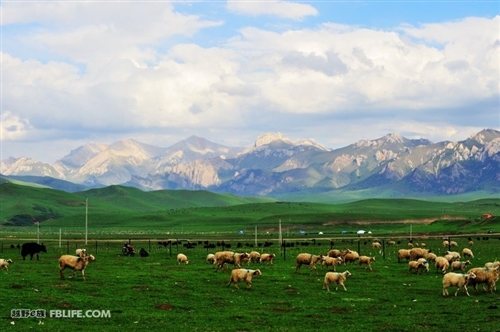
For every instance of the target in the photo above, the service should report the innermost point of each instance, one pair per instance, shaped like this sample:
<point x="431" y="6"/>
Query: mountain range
<point x="276" y="166"/>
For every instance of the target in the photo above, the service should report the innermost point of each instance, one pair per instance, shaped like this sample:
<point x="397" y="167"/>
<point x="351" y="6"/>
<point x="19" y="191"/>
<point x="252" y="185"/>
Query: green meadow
<point x="154" y="293"/>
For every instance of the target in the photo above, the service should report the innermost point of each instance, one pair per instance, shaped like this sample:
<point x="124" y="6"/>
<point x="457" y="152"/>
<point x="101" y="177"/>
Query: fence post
<point x="284" y="250"/>
<point x="96" y="246"/>
<point x="383" y="249"/>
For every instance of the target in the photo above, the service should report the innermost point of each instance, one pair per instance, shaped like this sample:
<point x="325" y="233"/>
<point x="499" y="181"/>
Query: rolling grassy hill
<point x="118" y="208"/>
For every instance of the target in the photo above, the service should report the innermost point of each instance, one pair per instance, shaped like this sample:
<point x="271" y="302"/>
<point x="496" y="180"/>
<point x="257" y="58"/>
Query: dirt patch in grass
<point x="164" y="306"/>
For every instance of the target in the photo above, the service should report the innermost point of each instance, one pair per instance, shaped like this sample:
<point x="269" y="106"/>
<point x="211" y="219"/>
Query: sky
<point x="76" y="72"/>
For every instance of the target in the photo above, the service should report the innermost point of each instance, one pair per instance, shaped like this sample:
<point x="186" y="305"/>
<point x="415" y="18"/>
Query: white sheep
<point x="492" y="265"/>
<point x="182" y="259"/>
<point x="229" y="257"/>
<point x="76" y="263"/>
<point x="431" y="257"/>
<point x="486" y="276"/>
<point x="4" y="263"/>
<point x="416" y="253"/>
<point x="425" y="264"/>
<point x="471" y="243"/>
<point x="367" y="261"/>
<point x="458" y="280"/>
<point x="459" y="265"/>
<point x="267" y="258"/>
<point x="308" y="259"/>
<point x="350" y="257"/>
<point x="442" y="264"/>
<point x="376" y="245"/>
<point x="81" y="252"/>
<point x="415" y="266"/>
<point x="210" y="258"/>
<point x="403" y="254"/>
<point x="337" y="278"/>
<point x="452" y="256"/>
<point x="238" y="275"/>
<point x="254" y="256"/>
<point x="331" y="261"/>
<point x="467" y="253"/>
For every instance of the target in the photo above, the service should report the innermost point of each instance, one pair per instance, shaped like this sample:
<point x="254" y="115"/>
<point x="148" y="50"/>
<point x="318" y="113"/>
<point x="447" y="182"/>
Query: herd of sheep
<point x="417" y="257"/>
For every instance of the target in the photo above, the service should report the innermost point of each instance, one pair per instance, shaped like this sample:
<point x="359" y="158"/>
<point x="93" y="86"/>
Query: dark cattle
<point x="143" y="253"/>
<point x="31" y="249"/>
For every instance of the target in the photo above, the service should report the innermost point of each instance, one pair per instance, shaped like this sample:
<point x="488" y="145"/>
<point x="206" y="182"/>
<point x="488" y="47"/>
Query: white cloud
<point x="284" y="9"/>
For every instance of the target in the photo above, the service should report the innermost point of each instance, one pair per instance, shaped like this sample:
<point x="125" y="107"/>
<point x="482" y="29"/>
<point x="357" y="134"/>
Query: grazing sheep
<point x="486" y="276"/>
<point x="403" y="254"/>
<point x="423" y="245"/>
<point x="350" y="257"/>
<point x="267" y="258"/>
<point x="458" y="280"/>
<point x="417" y="253"/>
<point x="452" y="256"/>
<point x="416" y="266"/>
<point x="446" y="243"/>
<point x="182" y="259"/>
<point x="410" y="245"/>
<point x="337" y="278"/>
<point x="391" y="243"/>
<point x="254" y="256"/>
<point x="81" y="252"/>
<point x="431" y="257"/>
<point x="229" y="257"/>
<point x="442" y="264"/>
<point x="471" y="243"/>
<point x="210" y="258"/>
<point x="467" y="253"/>
<point x="308" y="259"/>
<point x="459" y="265"/>
<point x="453" y="244"/>
<point x="4" y="263"/>
<point x="376" y="245"/>
<point x="425" y="264"/>
<point x="238" y="275"/>
<point x="331" y="261"/>
<point x="366" y="260"/>
<point x="76" y="263"/>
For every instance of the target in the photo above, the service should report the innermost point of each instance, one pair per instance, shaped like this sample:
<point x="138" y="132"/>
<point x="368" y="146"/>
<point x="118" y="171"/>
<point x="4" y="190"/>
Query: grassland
<point x="155" y="293"/>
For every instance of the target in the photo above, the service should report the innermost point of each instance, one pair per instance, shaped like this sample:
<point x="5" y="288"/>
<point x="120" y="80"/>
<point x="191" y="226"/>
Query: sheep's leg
<point x="83" y="274"/>
<point x="445" y="291"/>
<point x="344" y="286"/>
<point x="466" y="291"/>
<point x="325" y="286"/>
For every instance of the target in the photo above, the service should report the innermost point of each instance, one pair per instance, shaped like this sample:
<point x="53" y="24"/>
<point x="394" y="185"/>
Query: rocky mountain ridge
<point x="275" y="165"/>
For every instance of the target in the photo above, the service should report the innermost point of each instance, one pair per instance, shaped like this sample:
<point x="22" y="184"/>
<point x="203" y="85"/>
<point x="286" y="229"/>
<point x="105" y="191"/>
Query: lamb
<point x="308" y="259"/>
<point x="254" y="256"/>
<point x="485" y="276"/>
<point x="376" y="245"/>
<point x="403" y="254"/>
<point x="238" y="275"/>
<point x="442" y="264"/>
<point x="366" y="260"/>
<point x="4" y="263"/>
<point x="446" y="243"/>
<point x="417" y="253"/>
<point x="453" y="244"/>
<point x="337" y="278"/>
<point x="229" y="257"/>
<point x="452" y="256"/>
<point x="391" y="243"/>
<point x="76" y="263"/>
<point x="458" y="280"/>
<point x="459" y="265"/>
<point x="210" y="258"/>
<point x="416" y="266"/>
<point x="182" y="259"/>
<point x="467" y="253"/>
<point x="471" y="243"/>
<point x="81" y="252"/>
<point x="331" y="261"/>
<point x="267" y="258"/>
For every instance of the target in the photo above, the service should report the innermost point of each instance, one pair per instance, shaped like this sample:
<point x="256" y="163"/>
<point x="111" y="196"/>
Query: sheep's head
<point x="257" y="272"/>
<point x="470" y="275"/>
<point x="347" y="273"/>
<point x="90" y="258"/>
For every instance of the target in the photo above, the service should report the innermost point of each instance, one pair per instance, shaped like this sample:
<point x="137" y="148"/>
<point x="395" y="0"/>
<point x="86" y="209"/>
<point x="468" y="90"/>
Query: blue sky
<point x="334" y="71"/>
